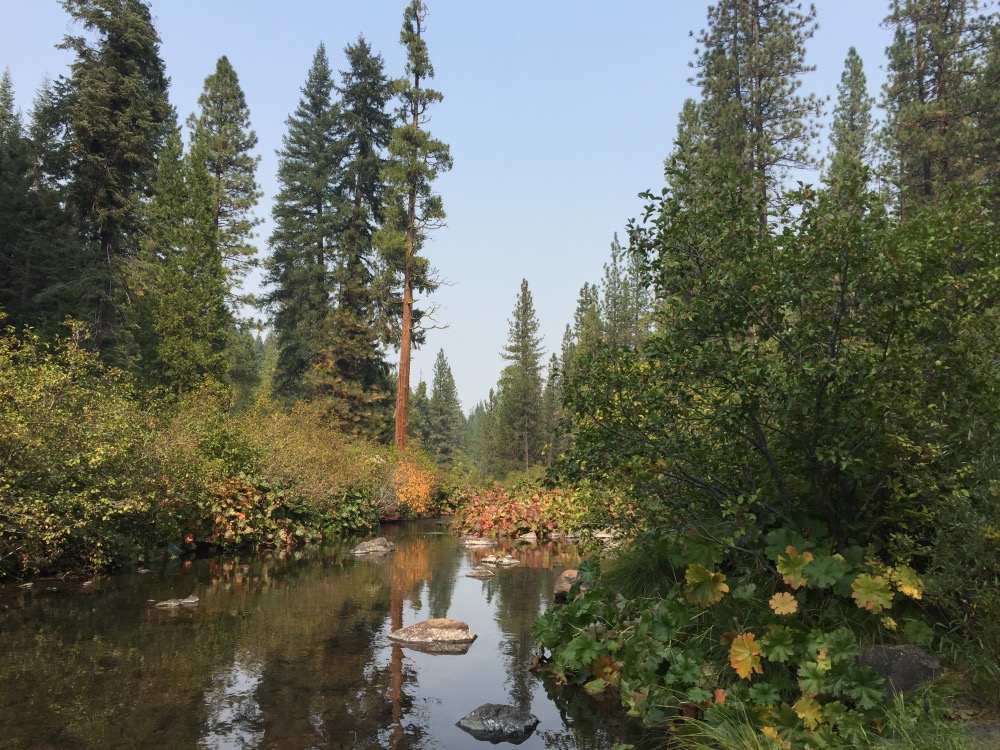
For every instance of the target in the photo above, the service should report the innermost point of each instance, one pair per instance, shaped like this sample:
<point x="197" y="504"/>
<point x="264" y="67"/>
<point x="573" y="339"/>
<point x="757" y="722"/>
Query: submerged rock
<point x="482" y="574"/>
<point x="502" y="561"/>
<point x="188" y="601"/>
<point x="477" y="541"/>
<point x="439" y="635"/>
<point x="380" y="546"/>
<point x="497" y="723"/>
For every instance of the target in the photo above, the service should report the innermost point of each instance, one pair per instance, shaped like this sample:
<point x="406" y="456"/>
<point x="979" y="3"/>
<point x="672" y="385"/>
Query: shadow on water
<point x="285" y="650"/>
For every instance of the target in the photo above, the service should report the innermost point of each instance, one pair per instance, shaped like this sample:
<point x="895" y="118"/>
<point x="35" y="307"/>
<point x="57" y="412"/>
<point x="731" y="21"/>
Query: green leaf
<point x="778" y="645"/>
<point x="792" y="565"/>
<point x="823" y="572"/>
<point x="765" y="694"/>
<point x="867" y="689"/>
<point x="595" y="686"/>
<point x="918" y="633"/>
<point x="871" y="593"/>
<point x="812" y="677"/>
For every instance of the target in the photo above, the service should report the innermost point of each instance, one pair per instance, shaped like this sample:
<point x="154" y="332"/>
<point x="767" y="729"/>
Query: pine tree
<point x="445" y="417"/>
<point x="180" y="280"/>
<point x="304" y="240"/>
<point x="420" y="425"/>
<point x="625" y="300"/>
<point x="116" y="114"/>
<point x="519" y="407"/>
<point x="749" y="67"/>
<point x="223" y="133"/>
<point x="930" y="132"/>
<point x="15" y="260"/>
<point x="851" y="131"/>
<point x="352" y="363"/>
<point x="415" y="161"/>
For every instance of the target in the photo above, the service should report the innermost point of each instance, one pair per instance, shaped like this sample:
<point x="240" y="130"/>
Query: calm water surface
<point x="285" y="650"/>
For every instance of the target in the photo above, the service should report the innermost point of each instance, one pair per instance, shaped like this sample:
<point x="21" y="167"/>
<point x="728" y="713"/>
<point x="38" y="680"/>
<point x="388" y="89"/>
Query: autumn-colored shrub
<point x="414" y="486"/>
<point x="499" y="512"/>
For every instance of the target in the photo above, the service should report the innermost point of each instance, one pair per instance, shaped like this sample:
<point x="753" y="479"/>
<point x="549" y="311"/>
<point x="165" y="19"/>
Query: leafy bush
<point x="779" y="642"/>
<point x="500" y="512"/>
<point x="75" y="475"/>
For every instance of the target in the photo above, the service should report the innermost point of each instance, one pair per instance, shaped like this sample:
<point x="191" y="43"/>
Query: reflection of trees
<point x="288" y="647"/>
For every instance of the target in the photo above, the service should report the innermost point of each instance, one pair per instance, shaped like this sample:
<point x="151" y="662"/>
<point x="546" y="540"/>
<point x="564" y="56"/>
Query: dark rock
<point x="380" y="546"/>
<point x="439" y="635"/>
<point x="903" y="667"/>
<point x="496" y="723"/>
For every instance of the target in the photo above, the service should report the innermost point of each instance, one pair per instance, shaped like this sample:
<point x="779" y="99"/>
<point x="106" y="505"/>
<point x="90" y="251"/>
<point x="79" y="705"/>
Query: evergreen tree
<point x="444" y="414"/>
<point x="752" y="56"/>
<point x="304" y="240"/>
<point x="552" y="416"/>
<point x="519" y="403"/>
<point x="115" y="110"/>
<point x="15" y="260"/>
<point x="415" y="161"/>
<point x="851" y="131"/>
<point x="352" y="364"/>
<point x="180" y="280"/>
<point x="222" y="132"/>
<point x="420" y="425"/>
<point x="625" y="300"/>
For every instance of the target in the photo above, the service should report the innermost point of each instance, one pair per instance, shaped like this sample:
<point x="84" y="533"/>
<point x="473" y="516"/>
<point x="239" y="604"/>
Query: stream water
<point x="286" y="650"/>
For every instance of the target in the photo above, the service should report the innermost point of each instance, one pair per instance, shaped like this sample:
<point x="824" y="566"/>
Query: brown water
<point x="285" y="650"/>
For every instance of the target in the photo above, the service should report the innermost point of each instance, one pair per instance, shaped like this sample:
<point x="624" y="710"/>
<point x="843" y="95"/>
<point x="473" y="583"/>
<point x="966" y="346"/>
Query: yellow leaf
<point x="784" y="603"/>
<point x="808" y="709"/>
<point x="772" y="734"/>
<point x="791" y="564"/>
<point x="871" y="593"/>
<point x="744" y="655"/>
<point x="907" y="581"/>
<point x="704" y="587"/>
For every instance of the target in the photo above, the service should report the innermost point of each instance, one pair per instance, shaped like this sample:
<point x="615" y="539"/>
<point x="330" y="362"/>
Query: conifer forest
<point x="781" y="393"/>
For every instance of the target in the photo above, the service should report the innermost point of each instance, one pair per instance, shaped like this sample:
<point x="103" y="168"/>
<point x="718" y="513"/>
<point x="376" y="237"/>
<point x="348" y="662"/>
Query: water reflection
<point x="288" y="650"/>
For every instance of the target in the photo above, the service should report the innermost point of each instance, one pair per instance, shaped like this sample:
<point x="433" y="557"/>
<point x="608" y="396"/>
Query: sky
<point x="558" y="114"/>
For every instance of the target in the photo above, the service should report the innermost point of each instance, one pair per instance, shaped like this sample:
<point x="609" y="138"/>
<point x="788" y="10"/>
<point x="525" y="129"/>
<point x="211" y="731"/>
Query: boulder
<point x="498" y="723"/>
<point x="530" y="536"/>
<point x="503" y="561"/>
<point x="483" y="574"/>
<point x="564" y="583"/>
<point x="380" y="546"/>
<point x="903" y="667"/>
<point x="436" y="636"/>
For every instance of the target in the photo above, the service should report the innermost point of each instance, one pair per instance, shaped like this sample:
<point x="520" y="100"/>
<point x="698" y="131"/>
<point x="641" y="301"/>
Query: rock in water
<point x="436" y="636"/>
<point x="497" y="723"/>
<point x="380" y="546"/>
<point x="483" y="574"/>
<point x="564" y="583"/>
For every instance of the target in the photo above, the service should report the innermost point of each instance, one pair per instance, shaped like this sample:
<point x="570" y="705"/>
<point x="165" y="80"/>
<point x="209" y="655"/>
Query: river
<point x="287" y="649"/>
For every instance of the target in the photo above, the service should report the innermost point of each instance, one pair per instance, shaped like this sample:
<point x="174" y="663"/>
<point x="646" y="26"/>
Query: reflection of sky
<point x="233" y="713"/>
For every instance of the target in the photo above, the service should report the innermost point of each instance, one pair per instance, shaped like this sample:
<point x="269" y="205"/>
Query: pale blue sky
<point x="558" y="114"/>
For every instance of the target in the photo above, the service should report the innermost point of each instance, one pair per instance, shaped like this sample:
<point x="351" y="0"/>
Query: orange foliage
<point x="413" y="486"/>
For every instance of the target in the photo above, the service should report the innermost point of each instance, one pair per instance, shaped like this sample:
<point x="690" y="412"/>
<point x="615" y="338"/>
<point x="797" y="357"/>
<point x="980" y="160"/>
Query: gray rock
<point x="498" y="723"/>
<point x="477" y="541"/>
<point x="439" y="635"/>
<point x="903" y="667"/>
<point x="503" y="561"/>
<point x="531" y="536"/>
<point x="983" y="735"/>
<point x="380" y="546"/>
<point x="483" y="574"/>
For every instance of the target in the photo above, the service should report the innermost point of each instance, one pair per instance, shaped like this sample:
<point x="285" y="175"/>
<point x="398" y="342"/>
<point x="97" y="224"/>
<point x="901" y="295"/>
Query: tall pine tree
<point x="304" y="240"/>
<point x="415" y="161"/>
<point x="222" y="132"/>
<point x="444" y="412"/>
<point x="116" y="115"/>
